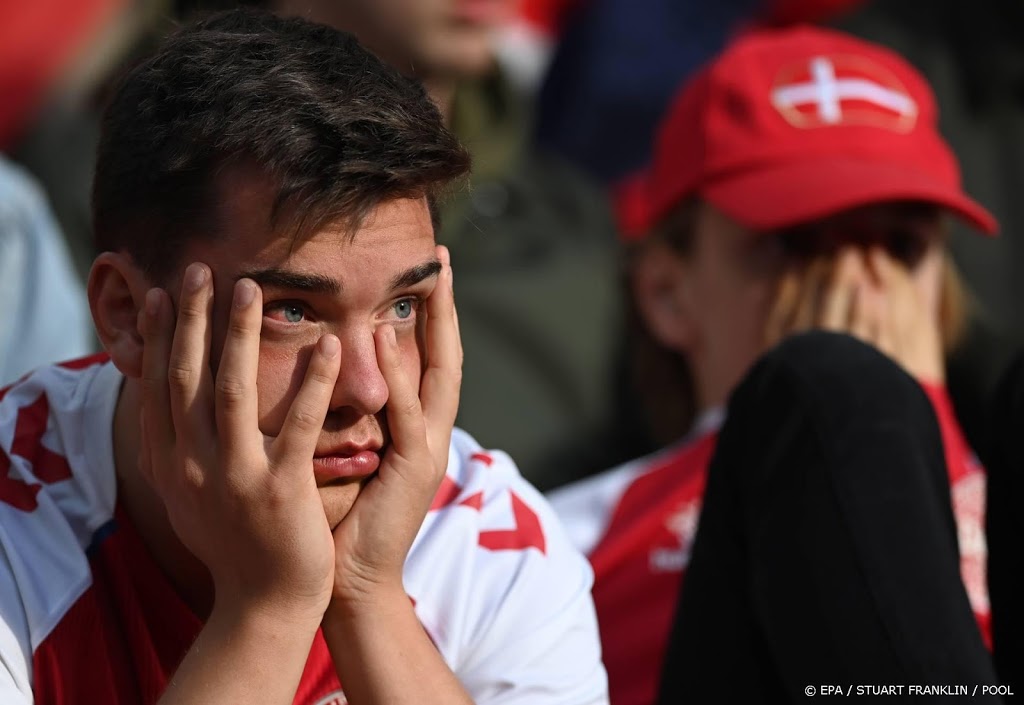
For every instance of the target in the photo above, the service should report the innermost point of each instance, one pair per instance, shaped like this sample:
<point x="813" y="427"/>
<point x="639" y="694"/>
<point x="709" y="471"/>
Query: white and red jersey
<point x="86" y="616"/>
<point x="637" y="523"/>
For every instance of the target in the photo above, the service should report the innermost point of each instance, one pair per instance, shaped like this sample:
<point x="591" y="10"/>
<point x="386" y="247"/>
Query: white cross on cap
<point x="828" y="92"/>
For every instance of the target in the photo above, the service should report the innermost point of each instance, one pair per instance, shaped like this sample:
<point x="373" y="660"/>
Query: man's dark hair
<point x="336" y="129"/>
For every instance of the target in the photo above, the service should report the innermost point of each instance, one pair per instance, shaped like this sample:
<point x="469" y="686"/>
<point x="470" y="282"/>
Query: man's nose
<point x="360" y="384"/>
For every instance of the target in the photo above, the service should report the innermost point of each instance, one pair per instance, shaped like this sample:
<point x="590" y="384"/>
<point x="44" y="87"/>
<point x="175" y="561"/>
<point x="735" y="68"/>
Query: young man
<point x="534" y="241"/>
<point x="256" y="494"/>
<point x="799" y="183"/>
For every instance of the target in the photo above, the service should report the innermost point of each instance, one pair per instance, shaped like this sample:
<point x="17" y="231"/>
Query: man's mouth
<point x="345" y="463"/>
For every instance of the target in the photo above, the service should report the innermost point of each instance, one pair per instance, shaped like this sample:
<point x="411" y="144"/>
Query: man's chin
<point x="338" y="500"/>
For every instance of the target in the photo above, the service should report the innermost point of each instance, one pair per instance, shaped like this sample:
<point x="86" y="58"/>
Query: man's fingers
<point x="446" y="259"/>
<point x="188" y="372"/>
<point x="156" y="324"/>
<point x="405" y="415"/>
<point x="439" y="390"/>
<point x="295" y="445"/>
<point x="235" y="396"/>
<point x="145" y="459"/>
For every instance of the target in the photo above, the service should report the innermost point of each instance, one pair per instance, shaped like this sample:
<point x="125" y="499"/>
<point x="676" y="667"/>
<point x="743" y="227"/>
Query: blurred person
<point x="47" y="319"/>
<point x="533" y="241"/>
<point x="617" y="64"/>
<point x="825" y="509"/>
<point x="974" y="60"/>
<point x="256" y="494"/>
<point x="56" y="59"/>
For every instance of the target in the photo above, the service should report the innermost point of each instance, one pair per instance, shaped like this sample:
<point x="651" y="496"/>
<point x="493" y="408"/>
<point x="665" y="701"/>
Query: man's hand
<point x="372" y="542"/>
<point x="379" y="648"/>
<point x="246" y="505"/>
<point x="868" y="295"/>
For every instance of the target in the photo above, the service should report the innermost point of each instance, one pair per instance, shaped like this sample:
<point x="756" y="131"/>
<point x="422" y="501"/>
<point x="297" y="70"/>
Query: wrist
<point x="365" y="603"/>
<point x="264" y="613"/>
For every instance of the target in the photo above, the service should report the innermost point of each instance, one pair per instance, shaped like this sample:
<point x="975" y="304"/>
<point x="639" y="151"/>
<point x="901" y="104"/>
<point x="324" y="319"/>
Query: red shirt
<point x="140" y="629"/>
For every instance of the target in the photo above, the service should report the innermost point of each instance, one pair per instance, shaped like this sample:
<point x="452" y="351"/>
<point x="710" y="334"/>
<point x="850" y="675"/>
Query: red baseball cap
<point x="789" y="126"/>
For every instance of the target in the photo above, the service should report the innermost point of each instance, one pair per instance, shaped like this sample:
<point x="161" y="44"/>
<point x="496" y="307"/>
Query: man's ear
<point x="117" y="290"/>
<point x="659" y="283"/>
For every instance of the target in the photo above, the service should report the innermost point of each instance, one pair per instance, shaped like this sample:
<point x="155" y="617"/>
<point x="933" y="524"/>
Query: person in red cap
<point x="794" y="301"/>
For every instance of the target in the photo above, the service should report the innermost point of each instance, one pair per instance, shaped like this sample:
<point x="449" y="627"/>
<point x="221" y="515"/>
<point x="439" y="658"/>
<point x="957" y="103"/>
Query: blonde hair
<point x="956" y="305"/>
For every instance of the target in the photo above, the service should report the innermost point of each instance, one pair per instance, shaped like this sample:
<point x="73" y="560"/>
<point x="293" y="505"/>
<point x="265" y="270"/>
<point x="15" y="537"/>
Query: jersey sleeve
<point x="503" y="593"/>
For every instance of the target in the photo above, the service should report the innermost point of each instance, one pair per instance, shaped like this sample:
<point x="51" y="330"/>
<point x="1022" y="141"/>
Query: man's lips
<point x="340" y="465"/>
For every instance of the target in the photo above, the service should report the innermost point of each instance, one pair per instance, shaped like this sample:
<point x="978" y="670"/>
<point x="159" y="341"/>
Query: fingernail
<point x="389" y="336"/>
<point x="329" y="346"/>
<point x="195" y="277"/>
<point x="245" y="292"/>
<point x="152" y="302"/>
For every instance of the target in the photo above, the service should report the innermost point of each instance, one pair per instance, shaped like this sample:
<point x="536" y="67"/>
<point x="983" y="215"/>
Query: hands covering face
<point x="247" y="504"/>
<point x="868" y="294"/>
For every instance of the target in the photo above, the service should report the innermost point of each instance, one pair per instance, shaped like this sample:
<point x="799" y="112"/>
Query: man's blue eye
<point x="404" y="308"/>
<point x="293" y="314"/>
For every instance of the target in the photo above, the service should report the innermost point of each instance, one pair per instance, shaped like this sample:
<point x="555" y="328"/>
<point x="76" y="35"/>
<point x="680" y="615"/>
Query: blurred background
<point x="557" y="100"/>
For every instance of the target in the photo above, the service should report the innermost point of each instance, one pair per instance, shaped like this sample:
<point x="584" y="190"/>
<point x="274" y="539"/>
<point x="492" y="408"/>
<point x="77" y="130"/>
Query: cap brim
<point x="781" y="196"/>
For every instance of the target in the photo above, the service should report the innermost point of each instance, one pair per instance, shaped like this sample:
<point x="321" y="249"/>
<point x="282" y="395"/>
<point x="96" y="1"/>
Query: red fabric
<point x="968" y="506"/>
<point x="139" y="629"/>
<point x="790" y="126"/>
<point x="37" y="40"/>
<point x="634" y="594"/>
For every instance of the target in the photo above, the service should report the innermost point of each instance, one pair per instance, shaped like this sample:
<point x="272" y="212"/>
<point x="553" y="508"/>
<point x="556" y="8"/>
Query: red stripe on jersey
<point x="17" y="493"/>
<point x="484" y="458"/>
<point x="48" y="466"/>
<point x="445" y="494"/>
<point x="527" y="533"/>
<point x="475" y="501"/>
<point x="84" y="362"/>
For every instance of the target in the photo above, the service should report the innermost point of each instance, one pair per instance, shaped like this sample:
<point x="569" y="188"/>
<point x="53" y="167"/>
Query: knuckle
<point x="319" y="377"/>
<point x="409" y="406"/>
<point x="190" y="312"/>
<point x="192" y="477"/>
<point x="231" y="388"/>
<point x="304" y="418"/>
<point x="239" y="327"/>
<point x="180" y="375"/>
<point x="153" y="383"/>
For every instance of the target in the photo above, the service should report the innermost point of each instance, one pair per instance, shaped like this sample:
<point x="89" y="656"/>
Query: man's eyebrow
<point x="283" y="279"/>
<point x="414" y="275"/>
